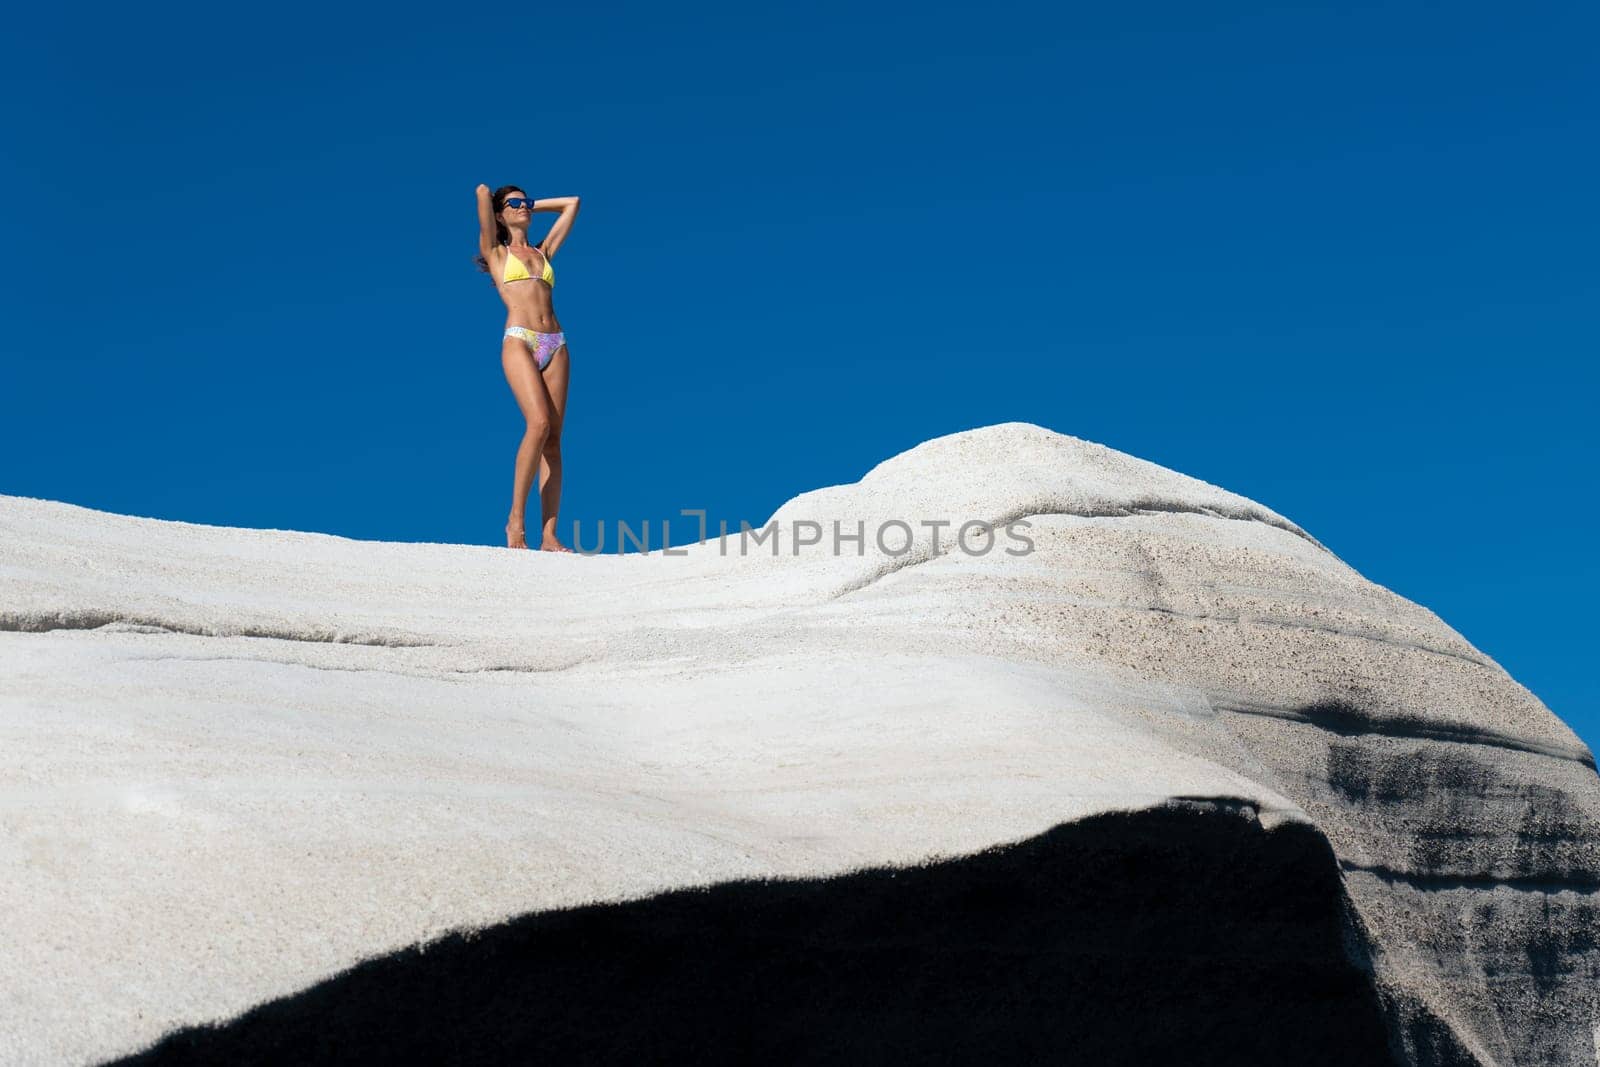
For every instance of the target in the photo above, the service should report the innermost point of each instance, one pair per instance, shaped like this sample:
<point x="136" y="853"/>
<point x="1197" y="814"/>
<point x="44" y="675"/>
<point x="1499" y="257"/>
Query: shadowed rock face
<point x="1161" y="936"/>
<point x="242" y="761"/>
<point x="1479" y="863"/>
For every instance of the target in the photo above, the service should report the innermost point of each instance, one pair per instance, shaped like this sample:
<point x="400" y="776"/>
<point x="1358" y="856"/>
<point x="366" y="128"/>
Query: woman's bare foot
<point x="516" y="536"/>
<point x="552" y="545"/>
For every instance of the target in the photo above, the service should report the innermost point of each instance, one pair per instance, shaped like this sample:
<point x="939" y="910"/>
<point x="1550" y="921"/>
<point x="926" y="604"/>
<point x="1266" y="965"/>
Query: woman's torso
<point x="528" y="300"/>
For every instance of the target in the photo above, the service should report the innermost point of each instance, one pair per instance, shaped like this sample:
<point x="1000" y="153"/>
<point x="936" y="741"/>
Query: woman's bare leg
<point x="556" y="377"/>
<point x="528" y="388"/>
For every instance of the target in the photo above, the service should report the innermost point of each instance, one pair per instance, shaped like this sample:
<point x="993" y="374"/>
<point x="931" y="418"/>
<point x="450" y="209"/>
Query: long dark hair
<point x="502" y="236"/>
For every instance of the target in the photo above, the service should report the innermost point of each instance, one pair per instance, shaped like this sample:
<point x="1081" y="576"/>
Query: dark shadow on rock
<point x="1347" y="720"/>
<point x="1167" y="936"/>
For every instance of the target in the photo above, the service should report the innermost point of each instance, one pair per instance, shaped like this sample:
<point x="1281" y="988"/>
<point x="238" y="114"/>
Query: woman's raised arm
<point x="568" y="206"/>
<point x="488" y="238"/>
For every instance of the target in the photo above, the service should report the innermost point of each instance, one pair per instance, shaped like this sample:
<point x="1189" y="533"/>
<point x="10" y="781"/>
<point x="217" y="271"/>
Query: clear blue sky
<point x="1338" y="258"/>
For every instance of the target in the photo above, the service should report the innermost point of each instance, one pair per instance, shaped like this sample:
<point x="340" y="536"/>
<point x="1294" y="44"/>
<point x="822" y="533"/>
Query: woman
<point x="533" y="350"/>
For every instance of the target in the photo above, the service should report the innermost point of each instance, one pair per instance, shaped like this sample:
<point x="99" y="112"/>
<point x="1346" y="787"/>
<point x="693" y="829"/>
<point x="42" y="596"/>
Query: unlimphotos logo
<point x="891" y="537"/>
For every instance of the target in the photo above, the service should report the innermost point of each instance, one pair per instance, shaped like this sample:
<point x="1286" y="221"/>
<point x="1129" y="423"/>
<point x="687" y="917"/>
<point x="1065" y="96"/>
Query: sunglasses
<point x="517" y="201"/>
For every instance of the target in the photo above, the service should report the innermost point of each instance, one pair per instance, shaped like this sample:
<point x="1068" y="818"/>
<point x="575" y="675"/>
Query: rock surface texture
<point x="239" y="762"/>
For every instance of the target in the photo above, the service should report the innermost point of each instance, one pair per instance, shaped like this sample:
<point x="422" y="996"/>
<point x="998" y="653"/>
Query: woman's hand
<point x="484" y="190"/>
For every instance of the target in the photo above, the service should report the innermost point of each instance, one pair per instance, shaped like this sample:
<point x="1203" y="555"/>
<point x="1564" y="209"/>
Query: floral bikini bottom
<point x="542" y="345"/>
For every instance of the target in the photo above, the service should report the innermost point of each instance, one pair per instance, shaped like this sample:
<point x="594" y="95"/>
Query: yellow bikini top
<point x="516" y="270"/>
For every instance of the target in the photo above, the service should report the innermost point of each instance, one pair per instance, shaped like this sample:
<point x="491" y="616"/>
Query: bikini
<point x="542" y="345"/>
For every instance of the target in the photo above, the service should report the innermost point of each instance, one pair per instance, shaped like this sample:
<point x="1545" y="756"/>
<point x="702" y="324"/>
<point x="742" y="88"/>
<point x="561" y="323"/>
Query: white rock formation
<point x="238" y="761"/>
